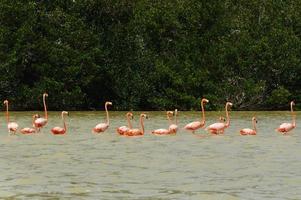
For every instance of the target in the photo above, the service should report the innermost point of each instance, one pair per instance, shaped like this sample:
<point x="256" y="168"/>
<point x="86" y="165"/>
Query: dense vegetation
<point x="148" y="54"/>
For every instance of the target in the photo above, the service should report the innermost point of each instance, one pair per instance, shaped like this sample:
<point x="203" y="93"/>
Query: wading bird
<point x="248" y="131"/>
<point x="122" y="129"/>
<point x="174" y="127"/>
<point x="219" y="127"/>
<point x="284" y="128"/>
<point x="42" y="121"/>
<point x="168" y="131"/>
<point x="11" y="126"/>
<point x="193" y="126"/>
<point x="136" y="131"/>
<point x="103" y="126"/>
<point x="59" y="130"/>
<point x="28" y="130"/>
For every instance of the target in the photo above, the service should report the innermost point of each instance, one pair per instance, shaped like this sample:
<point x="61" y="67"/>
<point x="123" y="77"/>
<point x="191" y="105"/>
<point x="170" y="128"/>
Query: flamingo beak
<point x="256" y="121"/>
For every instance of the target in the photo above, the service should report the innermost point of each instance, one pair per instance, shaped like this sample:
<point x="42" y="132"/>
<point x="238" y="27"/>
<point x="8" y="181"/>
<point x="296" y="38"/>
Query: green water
<point x="82" y="165"/>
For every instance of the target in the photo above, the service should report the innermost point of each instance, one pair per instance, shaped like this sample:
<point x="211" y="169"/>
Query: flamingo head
<point x="65" y="113"/>
<point x="129" y="114"/>
<point x="229" y="104"/>
<point x="293" y="103"/>
<point x="254" y="119"/>
<point x="222" y="119"/>
<point x="170" y="113"/>
<point x="143" y="115"/>
<point x="108" y="103"/>
<point x="45" y="95"/>
<point x="36" y="116"/>
<point x="5" y="102"/>
<point x="205" y="100"/>
<point x="176" y="112"/>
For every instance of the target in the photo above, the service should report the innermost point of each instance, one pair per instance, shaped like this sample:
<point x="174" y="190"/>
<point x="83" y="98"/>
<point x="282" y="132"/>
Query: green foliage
<point x="279" y="97"/>
<point x="150" y="54"/>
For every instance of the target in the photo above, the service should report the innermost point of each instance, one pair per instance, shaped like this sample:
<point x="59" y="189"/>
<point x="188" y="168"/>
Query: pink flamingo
<point x="136" y="131"/>
<point x="42" y="121"/>
<point x="248" y="131"/>
<point x="11" y="126"/>
<point x="168" y="131"/>
<point x="59" y="130"/>
<point x="193" y="126"/>
<point x="284" y="128"/>
<point x="103" y="126"/>
<point x="122" y="129"/>
<point x="28" y="130"/>
<point x="174" y="127"/>
<point x="218" y="128"/>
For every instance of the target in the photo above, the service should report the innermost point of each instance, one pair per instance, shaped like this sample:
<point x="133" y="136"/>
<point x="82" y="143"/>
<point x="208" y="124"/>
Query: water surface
<point x="81" y="165"/>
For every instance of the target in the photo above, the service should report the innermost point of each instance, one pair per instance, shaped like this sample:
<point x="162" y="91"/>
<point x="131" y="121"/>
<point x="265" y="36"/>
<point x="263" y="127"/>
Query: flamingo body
<point x="12" y="126"/>
<point x="58" y="130"/>
<point x="40" y="122"/>
<point x="162" y="131"/>
<point x="247" y="131"/>
<point x="134" y="132"/>
<point x="217" y="127"/>
<point x="173" y="128"/>
<point x="27" y="130"/>
<point x="122" y="129"/>
<point x="285" y="127"/>
<point x="194" y="125"/>
<point x="100" y="127"/>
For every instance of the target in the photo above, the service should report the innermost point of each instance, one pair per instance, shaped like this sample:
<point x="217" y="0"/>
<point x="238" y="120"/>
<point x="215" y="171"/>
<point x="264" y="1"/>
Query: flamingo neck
<point x="254" y="125"/>
<point x="107" y="112"/>
<point x="169" y="120"/>
<point x="33" y="119"/>
<point x="142" y="124"/>
<point x="293" y="116"/>
<point x="64" y="122"/>
<point x="129" y="121"/>
<point x="227" y="115"/>
<point x="176" y="118"/>
<point x="7" y="113"/>
<point x="45" y="107"/>
<point x="203" y="112"/>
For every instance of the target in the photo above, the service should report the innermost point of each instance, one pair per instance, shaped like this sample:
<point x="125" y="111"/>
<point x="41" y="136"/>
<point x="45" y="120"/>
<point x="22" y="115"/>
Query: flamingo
<point x="136" y="131"/>
<point x="284" y="128"/>
<point x="219" y="127"/>
<point x="174" y="127"/>
<point x="103" y="126"/>
<point x="28" y="130"/>
<point x="193" y="126"/>
<point x="168" y="131"/>
<point x="59" y="130"/>
<point x="122" y="129"/>
<point x="42" y="121"/>
<point x="248" y="131"/>
<point x="11" y="126"/>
